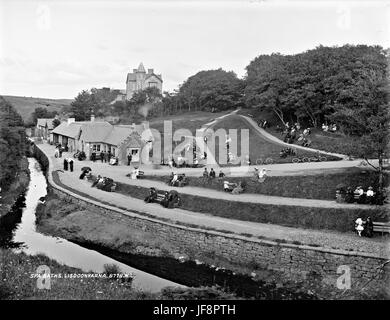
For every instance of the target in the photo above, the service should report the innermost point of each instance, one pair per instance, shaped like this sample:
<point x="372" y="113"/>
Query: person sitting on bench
<point x="152" y="195"/>
<point x="357" y="194"/>
<point x="228" y="187"/>
<point x="220" y="175"/>
<point x="359" y="226"/>
<point x="174" y="179"/>
<point x="349" y="195"/>
<point x="370" y="196"/>
<point x="96" y="181"/>
<point x="238" y="189"/>
<point x="212" y="173"/>
<point x="368" y="227"/>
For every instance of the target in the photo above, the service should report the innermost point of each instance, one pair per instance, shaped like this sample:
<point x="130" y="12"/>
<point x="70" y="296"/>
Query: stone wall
<point x="294" y="261"/>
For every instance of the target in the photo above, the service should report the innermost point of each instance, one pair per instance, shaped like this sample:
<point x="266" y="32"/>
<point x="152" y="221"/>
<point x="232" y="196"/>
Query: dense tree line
<point x="342" y="85"/>
<point x="12" y="142"/>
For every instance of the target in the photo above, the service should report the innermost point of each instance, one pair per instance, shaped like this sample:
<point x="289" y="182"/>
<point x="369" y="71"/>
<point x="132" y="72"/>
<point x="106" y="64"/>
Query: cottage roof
<point x="70" y="130"/>
<point x="118" y="135"/>
<point x="43" y="122"/>
<point x="95" y="131"/>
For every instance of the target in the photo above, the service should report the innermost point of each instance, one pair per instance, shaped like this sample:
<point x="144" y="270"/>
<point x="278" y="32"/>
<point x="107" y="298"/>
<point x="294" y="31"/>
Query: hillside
<point x="25" y="106"/>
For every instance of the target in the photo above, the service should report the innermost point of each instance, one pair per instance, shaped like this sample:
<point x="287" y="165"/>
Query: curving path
<point x="274" y="139"/>
<point x="324" y="239"/>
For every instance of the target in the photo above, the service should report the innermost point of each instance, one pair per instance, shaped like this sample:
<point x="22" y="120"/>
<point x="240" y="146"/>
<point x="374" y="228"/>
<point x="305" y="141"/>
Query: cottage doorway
<point x="134" y="154"/>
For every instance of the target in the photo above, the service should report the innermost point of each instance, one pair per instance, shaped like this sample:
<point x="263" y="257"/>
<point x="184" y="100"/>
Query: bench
<point x="382" y="227"/>
<point x="140" y="175"/>
<point x="160" y="198"/>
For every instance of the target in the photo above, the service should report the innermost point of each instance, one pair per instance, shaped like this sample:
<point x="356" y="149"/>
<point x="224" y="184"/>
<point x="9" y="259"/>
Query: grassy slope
<point x="319" y="186"/>
<point x="25" y="105"/>
<point x="259" y="147"/>
<point x="17" y="282"/>
<point x="326" y="141"/>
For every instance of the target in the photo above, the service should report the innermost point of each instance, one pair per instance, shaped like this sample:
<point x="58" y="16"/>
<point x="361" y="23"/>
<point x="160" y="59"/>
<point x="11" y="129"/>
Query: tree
<point x="56" y="123"/>
<point x="211" y="89"/>
<point x="81" y="106"/>
<point x="42" y="113"/>
<point x="12" y="142"/>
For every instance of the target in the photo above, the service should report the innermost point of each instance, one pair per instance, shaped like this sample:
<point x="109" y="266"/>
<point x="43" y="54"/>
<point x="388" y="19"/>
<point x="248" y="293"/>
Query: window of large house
<point x="152" y="84"/>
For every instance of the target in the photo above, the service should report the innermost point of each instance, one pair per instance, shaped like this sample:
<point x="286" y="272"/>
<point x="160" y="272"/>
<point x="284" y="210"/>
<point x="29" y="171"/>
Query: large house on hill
<point x="101" y="136"/>
<point x="139" y="80"/>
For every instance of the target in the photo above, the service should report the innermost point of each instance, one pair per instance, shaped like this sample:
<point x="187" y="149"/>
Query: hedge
<point x="293" y="216"/>
<point x="319" y="186"/>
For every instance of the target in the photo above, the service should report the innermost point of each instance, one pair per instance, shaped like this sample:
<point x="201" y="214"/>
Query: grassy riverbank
<point x="17" y="282"/>
<point x="17" y="187"/>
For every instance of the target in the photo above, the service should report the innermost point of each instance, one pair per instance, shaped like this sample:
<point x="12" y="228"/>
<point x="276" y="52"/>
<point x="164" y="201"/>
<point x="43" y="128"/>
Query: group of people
<point x="233" y="188"/>
<point x="170" y="199"/>
<point x="329" y="128"/>
<point x="135" y="173"/>
<point x="104" y="157"/>
<point x="360" y="196"/>
<point x="364" y="228"/>
<point x="261" y="175"/>
<point x="104" y="183"/>
<point x="59" y="150"/>
<point x="177" y="180"/>
<point x="68" y="164"/>
<point x="287" y="152"/>
<point x="211" y="175"/>
<point x="292" y="133"/>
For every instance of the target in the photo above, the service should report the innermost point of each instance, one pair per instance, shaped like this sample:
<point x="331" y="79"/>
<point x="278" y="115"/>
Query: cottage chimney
<point x="150" y="71"/>
<point x="71" y="120"/>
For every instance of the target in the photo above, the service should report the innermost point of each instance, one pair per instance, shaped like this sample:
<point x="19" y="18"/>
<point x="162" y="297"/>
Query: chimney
<point x="150" y="71"/>
<point x="71" y="120"/>
<point x="135" y="70"/>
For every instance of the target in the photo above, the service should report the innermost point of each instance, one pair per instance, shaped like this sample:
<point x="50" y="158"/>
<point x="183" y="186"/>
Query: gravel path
<point x="326" y="239"/>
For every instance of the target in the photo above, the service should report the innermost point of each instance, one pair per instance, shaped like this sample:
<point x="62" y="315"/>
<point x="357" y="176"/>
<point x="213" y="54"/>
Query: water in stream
<point x="18" y="231"/>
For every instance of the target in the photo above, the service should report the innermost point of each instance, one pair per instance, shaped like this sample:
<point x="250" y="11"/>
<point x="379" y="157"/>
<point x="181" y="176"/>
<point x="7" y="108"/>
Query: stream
<point x="18" y="232"/>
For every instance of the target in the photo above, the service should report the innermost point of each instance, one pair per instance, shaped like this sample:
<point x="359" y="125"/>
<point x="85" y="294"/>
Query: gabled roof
<point x="153" y="75"/>
<point x="43" y="122"/>
<point x="118" y="135"/>
<point x="95" y="131"/>
<point x="69" y="130"/>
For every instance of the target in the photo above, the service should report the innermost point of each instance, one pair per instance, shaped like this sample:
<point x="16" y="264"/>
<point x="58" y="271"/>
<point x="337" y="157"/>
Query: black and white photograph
<point x="181" y="151"/>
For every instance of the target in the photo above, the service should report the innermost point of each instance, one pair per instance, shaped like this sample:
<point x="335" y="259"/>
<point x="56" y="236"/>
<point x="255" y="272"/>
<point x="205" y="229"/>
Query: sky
<point x="55" y="49"/>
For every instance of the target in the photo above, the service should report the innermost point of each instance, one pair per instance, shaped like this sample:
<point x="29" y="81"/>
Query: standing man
<point x="70" y="164"/>
<point x="101" y="156"/>
<point x="129" y="158"/>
